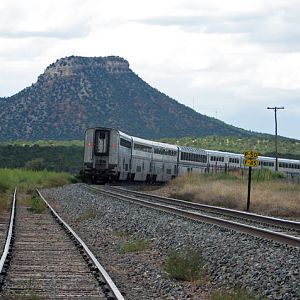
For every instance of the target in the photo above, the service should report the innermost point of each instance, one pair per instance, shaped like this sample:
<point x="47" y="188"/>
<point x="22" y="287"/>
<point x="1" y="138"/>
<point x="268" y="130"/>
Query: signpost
<point x="251" y="154"/>
<point x="250" y="160"/>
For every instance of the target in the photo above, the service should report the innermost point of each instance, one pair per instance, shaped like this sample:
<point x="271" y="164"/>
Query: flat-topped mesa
<point x="74" y="65"/>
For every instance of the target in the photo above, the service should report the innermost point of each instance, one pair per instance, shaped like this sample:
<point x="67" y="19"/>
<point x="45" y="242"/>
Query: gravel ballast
<point x="231" y="258"/>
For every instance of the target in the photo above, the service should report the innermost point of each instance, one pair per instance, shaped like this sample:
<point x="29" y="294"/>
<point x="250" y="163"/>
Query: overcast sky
<point x="228" y="59"/>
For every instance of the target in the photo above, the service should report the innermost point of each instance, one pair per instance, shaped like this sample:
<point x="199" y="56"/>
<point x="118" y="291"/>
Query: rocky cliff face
<point x="79" y="92"/>
<point x="75" y="66"/>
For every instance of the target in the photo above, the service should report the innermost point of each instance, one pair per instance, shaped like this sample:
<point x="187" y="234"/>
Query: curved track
<point x="270" y="221"/>
<point x="187" y="209"/>
<point x="49" y="260"/>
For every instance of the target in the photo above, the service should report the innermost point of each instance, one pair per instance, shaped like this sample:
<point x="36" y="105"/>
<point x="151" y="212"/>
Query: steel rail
<point x="220" y="210"/>
<point x="248" y="229"/>
<point x="7" y="247"/>
<point x="102" y="271"/>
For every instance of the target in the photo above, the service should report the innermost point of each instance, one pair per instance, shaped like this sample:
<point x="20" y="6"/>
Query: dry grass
<point x="270" y="197"/>
<point x="5" y="200"/>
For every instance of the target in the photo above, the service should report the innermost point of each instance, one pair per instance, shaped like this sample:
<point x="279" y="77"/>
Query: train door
<point x="101" y="142"/>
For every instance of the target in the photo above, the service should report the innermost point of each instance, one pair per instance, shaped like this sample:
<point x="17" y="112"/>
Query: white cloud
<point x="228" y="57"/>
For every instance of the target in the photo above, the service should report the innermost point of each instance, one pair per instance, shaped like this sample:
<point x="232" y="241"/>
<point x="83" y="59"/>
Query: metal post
<point x="276" y="137"/>
<point x="249" y="188"/>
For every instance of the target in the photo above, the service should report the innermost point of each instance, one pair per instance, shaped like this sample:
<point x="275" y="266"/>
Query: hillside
<point x="264" y="144"/>
<point x="79" y="92"/>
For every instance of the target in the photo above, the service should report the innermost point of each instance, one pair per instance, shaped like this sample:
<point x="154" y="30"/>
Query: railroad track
<point x="253" y="224"/>
<point x="44" y="258"/>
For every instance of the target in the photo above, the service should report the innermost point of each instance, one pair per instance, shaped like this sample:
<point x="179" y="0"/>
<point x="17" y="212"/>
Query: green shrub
<point x="265" y="174"/>
<point x="37" y="205"/>
<point x="134" y="246"/>
<point x="185" y="264"/>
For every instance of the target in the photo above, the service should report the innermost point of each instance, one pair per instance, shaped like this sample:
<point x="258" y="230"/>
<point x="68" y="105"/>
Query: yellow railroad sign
<point x="248" y="162"/>
<point x="251" y="154"/>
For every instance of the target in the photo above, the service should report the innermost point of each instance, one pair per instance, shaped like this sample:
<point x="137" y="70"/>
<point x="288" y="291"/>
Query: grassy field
<point x="26" y="181"/>
<point x="269" y="196"/>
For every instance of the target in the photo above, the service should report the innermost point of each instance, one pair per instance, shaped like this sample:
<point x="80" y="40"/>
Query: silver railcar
<point x="110" y="154"/>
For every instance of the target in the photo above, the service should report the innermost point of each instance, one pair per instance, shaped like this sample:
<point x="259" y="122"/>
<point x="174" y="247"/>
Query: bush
<point x="37" y="205"/>
<point x="186" y="264"/>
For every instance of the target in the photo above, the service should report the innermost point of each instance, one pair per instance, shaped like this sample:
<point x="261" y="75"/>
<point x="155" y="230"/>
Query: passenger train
<point x="111" y="155"/>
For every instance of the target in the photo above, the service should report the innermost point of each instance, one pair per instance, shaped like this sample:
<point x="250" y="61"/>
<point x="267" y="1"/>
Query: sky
<point x="228" y="59"/>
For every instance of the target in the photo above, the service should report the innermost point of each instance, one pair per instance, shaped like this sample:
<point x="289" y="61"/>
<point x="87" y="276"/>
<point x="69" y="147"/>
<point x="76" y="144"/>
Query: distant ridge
<point x="79" y="92"/>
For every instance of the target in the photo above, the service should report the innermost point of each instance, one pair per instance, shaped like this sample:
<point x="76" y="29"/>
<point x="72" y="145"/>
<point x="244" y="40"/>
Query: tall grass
<point x="186" y="264"/>
<point x="36" y="205"/>
<point x="28" y="180"/>
<point x="269" y="195"/>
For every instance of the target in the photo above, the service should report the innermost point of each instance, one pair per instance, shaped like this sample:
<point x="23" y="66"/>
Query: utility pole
<point x="276" y="138"/>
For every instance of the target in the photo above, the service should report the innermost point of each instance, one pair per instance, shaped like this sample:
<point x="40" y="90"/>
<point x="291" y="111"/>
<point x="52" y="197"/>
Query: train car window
<point x="236" y="160"/>
<point x="171" y="153"/>
<point x="101" y="142"/>
<point x="138" y="168"/>
<point x="125" y="143"/>
<point x="194" y="157"/>
<point x="142" y="148"/>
